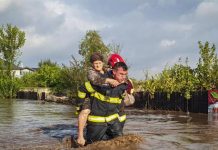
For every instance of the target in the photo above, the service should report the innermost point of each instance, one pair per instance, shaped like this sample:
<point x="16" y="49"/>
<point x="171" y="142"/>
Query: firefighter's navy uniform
<point x="106" y="118"/>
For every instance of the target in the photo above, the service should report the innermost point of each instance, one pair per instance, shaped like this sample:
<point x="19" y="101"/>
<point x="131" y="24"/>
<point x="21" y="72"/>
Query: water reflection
<point x="26" y="124"/>
<point x="60" y="131"/>
<point x="21" y="120"/>
<point x="174" y="130"/>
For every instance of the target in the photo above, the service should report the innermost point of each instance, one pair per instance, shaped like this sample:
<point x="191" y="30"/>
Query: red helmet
<point x="114" y="58"/>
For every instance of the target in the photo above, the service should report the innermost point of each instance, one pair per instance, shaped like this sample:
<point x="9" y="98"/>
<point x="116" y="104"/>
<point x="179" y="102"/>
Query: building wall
<point x="19" y="73"/>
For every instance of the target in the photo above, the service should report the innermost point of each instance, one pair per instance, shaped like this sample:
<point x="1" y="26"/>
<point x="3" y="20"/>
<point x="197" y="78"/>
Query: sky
<point x="151" y="33"/>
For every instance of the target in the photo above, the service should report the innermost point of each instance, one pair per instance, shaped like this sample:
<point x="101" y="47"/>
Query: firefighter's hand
<point x="81" y="141"/>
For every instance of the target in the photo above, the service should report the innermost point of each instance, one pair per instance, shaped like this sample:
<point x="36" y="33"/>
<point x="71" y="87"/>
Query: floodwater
<point x="28" y="124"/>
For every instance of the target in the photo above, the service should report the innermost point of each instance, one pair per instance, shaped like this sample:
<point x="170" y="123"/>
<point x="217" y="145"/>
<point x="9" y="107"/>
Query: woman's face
<point x="98" y="65"/>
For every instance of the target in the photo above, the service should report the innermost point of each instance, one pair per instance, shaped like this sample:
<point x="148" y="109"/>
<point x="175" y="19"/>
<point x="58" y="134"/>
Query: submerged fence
<point x="175" y="102"/>
<point x="159" y="101"/>
<point x="31" y="95"/>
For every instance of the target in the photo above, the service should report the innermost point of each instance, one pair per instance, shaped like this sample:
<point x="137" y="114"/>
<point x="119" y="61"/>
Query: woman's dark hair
<point x="96" y="56"/>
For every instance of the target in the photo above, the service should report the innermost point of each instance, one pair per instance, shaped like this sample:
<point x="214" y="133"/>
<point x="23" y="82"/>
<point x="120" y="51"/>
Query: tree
<point x="215" y="73"/>
<point x="71" y="78"/>
<point x="29" y="80"/>
<point x="179" y="78"/>
<point x="185" y="80"/>
<point x="47" y="75"/>
<point x="90" y="44"/>
<point x="206" y="70"/>
<point x="47" y="62"/>
<point x="11" y="40"/>
<point x="165" y="81"/>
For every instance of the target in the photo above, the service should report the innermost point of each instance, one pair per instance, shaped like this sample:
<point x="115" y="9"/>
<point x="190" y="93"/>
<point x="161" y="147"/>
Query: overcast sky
<point x="152" y="33"/>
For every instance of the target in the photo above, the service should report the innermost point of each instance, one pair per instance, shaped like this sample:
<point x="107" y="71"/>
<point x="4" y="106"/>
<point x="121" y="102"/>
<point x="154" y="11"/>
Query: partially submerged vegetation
<point x="182" y="78"/>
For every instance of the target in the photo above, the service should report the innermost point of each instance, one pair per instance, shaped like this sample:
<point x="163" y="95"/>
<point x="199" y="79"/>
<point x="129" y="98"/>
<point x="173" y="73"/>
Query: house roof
<point x="32" y="69"/>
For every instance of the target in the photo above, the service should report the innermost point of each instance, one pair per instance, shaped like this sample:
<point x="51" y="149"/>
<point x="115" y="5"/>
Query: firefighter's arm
<point x="83" y="115"/>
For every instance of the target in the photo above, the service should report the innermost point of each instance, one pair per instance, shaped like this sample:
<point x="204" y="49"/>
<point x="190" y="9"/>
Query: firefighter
<point x="128" y="97"/>
<point x="105" y="104"/>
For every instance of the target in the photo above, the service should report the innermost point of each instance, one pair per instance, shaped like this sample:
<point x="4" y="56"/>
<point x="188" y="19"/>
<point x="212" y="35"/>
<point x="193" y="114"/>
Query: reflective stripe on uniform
<point x="77" y="111"/>
<point x="122" y="118"/>
<point x="81" y="94"/>
<point x="99" y="96"/>
<point x="89" y="87"/>
<point x="100" y="119"/>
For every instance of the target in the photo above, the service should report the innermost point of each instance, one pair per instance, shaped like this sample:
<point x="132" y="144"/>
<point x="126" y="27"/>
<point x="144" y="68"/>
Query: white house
<point x="20" y="71"/>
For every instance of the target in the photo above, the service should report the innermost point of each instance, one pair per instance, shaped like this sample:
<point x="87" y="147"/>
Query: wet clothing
<point x="105" y="104"/>
<point x="97" y="132"/>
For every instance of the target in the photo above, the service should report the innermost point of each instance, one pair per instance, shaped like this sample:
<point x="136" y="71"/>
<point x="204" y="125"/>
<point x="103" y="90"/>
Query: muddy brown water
<point x="27" y="124"/>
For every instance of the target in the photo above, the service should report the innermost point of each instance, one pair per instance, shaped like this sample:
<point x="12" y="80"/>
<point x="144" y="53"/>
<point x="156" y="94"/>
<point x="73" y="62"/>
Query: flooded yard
<point x="26" y="124"/>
